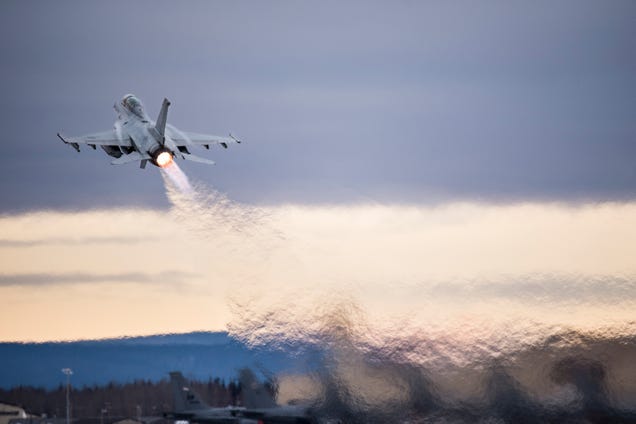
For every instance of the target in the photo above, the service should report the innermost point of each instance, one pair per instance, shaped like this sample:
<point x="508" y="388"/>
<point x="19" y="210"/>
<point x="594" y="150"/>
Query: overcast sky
<point x="338" y="102"/>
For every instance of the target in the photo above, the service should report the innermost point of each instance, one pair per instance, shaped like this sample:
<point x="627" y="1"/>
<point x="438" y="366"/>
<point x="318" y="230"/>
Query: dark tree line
<point x="140" y="398"/>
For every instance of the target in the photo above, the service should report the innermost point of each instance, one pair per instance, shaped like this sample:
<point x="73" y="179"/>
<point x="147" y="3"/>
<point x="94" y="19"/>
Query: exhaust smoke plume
<point x="398" y="333"/>
<point x="175" y="178"/>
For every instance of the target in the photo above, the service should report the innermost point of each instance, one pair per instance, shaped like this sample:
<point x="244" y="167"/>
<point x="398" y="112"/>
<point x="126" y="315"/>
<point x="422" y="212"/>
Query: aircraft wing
<point x="106" y="138"/>
<point x="182" y="138"/>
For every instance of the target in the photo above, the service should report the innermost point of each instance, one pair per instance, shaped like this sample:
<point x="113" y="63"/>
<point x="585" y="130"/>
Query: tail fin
<point x="160" y="125"/>
<point x="255" y="394"/>
<point x="185" y="399"/>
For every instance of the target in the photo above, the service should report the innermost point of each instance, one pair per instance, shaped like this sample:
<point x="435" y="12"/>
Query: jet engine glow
<point x="163" y="159"/>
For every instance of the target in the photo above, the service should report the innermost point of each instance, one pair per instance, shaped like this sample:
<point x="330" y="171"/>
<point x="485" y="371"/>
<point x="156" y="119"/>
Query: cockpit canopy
<point x="134" y="105"/>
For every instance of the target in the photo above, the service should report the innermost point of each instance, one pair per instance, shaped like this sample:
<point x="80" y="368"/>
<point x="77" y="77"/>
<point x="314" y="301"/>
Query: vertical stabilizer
<point x="255" y="393"/>
<point x="185" y="399"/>
<point x="160" y="126"/>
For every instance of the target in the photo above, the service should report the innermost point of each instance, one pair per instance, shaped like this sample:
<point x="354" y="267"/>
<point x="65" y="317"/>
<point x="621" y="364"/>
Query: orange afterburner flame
<point x="163" y="159"/>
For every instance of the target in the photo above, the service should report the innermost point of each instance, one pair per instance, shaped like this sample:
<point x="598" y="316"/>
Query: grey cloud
<point x="561" y="289"/>
<point x="65" y="241"/>
<point x="41" y="279"/>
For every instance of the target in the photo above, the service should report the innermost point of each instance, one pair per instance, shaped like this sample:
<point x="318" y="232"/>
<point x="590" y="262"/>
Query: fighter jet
<point x="189" y="407"/>
<point x="260" y="404"/>
<point x="136" y="138"/>
<point x="259" y="407"/>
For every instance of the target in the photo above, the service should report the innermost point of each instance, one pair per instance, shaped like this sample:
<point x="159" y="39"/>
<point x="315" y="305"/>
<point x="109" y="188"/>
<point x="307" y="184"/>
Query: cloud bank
<point x="166" y="277"/>
<point x="408" y="266"/>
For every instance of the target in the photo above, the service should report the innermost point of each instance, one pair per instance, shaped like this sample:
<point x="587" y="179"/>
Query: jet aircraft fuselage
<point x="135" y="124"/>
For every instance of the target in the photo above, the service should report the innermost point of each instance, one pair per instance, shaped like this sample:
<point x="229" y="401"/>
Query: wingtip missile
<point x="73" y="145"/>
<point x="235" y="139"/>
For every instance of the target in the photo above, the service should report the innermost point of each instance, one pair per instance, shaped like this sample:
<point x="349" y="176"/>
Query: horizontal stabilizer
<point x="133" y="157"/>
<point x="193" y="158"/>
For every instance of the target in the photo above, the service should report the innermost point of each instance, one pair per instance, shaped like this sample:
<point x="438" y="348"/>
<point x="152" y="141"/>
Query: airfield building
<point x="9" y="412"/>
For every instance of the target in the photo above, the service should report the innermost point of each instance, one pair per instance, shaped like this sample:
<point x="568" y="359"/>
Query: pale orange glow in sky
<point x="110" y="273"/>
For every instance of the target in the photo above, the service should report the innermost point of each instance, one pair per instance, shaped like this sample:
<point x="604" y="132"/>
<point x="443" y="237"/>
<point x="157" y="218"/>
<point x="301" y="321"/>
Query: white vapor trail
<point x="211" y="215"/>
<point x="172" y="174"/>
<point x="458" y="284"/>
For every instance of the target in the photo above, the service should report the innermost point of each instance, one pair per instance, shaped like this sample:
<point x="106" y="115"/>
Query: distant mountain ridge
<point x="206" y="338"/>
<point x="199" y="355"/>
